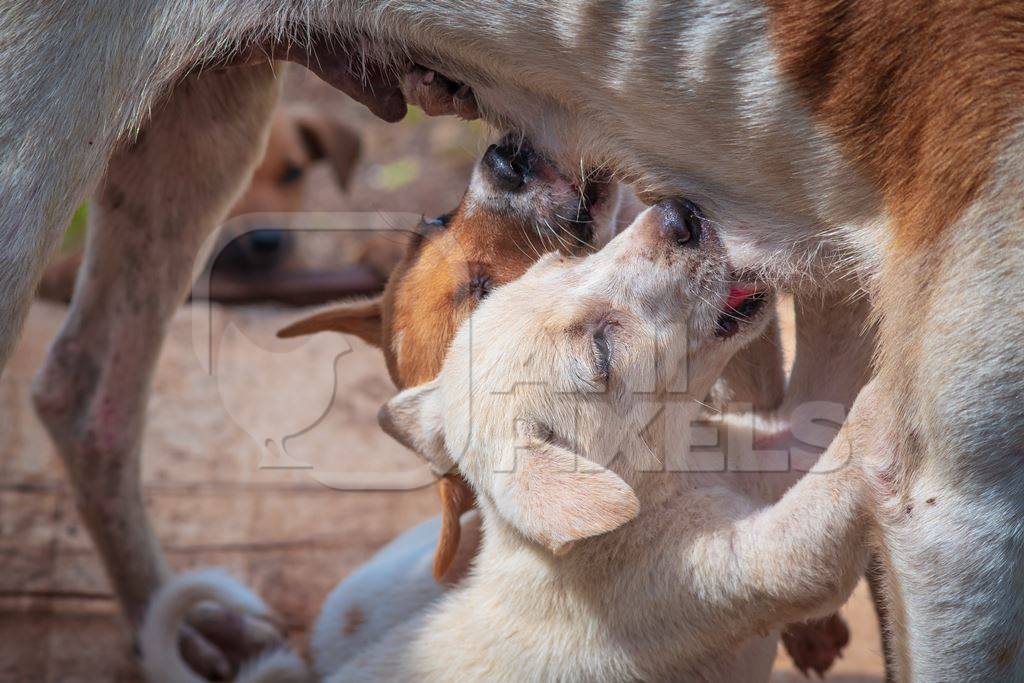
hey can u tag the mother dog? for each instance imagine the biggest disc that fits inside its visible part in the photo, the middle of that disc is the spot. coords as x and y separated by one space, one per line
875 144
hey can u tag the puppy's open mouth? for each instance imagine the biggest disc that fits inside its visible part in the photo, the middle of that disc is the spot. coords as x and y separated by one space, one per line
744 303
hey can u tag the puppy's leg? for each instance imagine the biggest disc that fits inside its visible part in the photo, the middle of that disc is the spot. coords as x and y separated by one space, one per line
801 557
162 195
834 343
755 379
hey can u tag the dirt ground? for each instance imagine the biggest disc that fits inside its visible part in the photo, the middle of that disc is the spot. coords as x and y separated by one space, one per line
251 462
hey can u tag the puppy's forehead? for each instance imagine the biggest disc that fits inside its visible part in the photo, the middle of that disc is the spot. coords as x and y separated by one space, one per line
533 314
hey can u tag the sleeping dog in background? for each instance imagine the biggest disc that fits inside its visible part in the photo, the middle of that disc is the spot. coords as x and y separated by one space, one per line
610 552
300 138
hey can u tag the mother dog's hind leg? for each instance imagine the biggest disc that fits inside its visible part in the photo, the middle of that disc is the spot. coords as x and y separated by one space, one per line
162 195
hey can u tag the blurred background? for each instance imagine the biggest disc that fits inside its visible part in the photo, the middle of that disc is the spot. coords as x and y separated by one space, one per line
287 530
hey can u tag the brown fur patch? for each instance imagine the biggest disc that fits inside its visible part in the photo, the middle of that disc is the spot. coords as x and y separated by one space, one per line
354 619
456 498
428 294
919 93
470 537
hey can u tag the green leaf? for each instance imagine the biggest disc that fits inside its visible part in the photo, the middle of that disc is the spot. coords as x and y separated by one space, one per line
74 236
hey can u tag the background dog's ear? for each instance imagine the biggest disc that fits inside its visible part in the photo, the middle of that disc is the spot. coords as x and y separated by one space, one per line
328 139
414 419
361 318
557 497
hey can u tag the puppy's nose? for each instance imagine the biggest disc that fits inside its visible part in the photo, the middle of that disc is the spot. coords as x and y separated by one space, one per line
507 165
680 221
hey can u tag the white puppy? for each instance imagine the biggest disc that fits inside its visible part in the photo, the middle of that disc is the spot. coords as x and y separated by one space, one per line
610 550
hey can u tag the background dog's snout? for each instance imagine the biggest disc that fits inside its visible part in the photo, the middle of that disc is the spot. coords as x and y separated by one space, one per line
507 165
263 248
267 240
680 221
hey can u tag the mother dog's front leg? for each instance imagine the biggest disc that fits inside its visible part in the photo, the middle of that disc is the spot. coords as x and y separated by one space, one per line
162 195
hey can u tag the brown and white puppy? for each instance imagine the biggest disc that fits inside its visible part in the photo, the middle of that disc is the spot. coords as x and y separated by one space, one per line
517 207
611 552
846 145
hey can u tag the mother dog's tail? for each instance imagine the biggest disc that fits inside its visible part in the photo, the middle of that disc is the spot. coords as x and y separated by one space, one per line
161 659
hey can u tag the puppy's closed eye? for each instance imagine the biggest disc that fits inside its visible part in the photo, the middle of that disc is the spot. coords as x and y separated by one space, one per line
480 286
477 286
603 343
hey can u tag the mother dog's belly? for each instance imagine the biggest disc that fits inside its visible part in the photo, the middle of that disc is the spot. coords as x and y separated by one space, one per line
793 123
685 99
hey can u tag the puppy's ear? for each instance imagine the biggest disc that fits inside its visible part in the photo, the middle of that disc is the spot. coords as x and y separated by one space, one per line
557 497
329 140
414 419
456 498
361 318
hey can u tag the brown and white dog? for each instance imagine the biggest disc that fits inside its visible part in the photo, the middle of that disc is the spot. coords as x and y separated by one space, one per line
848 145
611 553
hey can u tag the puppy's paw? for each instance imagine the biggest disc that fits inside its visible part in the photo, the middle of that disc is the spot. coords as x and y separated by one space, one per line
815 645
437 95
216 640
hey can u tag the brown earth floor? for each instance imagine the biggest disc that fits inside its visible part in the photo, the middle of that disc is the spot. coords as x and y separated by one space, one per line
288 534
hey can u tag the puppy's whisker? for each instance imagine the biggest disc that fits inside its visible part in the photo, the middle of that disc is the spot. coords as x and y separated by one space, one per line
529 241
554 231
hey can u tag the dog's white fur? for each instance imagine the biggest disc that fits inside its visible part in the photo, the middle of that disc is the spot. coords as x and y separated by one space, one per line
587 573
679 97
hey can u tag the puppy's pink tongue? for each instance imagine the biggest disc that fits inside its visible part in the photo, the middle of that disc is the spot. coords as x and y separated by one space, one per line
737 295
